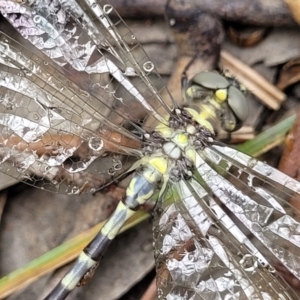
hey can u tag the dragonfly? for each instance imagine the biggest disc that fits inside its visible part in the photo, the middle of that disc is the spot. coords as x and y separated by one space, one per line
86 107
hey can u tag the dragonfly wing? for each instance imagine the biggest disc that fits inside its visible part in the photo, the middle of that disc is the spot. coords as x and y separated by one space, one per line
82 39
51 130
75 123
227 233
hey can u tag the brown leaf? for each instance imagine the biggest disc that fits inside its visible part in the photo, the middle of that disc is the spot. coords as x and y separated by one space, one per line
294 7
290 74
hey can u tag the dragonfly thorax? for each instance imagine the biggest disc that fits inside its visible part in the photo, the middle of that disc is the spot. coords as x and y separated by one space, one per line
176 140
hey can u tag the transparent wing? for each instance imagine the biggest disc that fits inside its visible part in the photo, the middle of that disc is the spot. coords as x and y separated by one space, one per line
76 123
232 232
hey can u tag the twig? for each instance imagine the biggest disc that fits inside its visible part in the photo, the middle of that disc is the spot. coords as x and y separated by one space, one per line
253 81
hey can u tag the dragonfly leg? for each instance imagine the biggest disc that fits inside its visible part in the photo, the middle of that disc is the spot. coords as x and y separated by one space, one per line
139 191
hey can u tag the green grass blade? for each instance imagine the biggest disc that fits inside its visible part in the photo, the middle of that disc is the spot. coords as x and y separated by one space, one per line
268 139
56 258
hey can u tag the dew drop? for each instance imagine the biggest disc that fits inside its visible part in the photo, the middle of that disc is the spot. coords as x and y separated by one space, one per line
172 22
252 162
95 143
148 66
111 172
117 165
129 71
75 190
107 9
272 269
35 117
84 93
37 19
249 263
21 169
250 180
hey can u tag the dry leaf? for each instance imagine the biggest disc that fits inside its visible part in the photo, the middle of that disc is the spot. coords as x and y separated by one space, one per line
290 74
294 7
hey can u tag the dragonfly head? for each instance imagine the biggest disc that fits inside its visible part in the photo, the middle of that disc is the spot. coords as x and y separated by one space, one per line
224 93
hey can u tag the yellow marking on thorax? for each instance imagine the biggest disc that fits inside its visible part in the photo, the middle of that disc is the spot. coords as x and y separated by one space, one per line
201 118
190 153
221 95
181 140
164 130
160 164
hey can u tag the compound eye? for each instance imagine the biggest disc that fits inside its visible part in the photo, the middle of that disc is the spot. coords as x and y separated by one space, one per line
211 80
238 103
